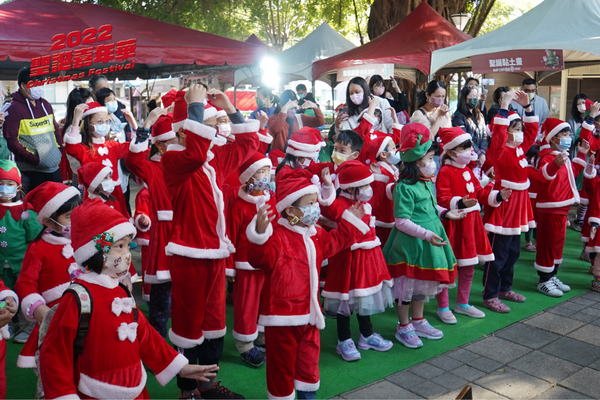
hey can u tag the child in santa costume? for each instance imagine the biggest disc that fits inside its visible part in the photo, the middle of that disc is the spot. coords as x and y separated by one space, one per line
457 188
119 340
6 314
417 252
382 151
254 177
302 148
532 161
45 273
90 144
358 281
18 228
143 225
370 121
557 192
97 181
149 168
593 214
194 172
291 255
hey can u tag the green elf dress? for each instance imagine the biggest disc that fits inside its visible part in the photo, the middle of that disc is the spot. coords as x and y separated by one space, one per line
419 269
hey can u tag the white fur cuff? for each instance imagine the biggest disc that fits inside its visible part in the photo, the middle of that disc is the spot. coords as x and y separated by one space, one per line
356 222
173 369
138 147
493 198
255 237
199 129
327 195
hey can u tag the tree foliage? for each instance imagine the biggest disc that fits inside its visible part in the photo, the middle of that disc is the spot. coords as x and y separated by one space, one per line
503 12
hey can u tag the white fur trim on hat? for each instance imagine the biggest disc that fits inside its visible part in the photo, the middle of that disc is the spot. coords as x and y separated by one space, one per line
384 145
292 197
512 117
252 169
163 136
56 202
300 153
359 183
177 125
209 112
86 251
456 141
221 113
99 178
556 129
306 147
94 111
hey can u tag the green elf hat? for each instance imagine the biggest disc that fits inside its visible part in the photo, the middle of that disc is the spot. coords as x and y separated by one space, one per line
416 142
9 170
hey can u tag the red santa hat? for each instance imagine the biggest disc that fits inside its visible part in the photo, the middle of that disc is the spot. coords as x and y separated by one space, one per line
163 129
512 115
179 111
168 98
416 142
296 184
93 108
221 113
47 198
252 165
276 157
551 127
375 148
91 174
452 137
95 228
10 171
353 173
305 143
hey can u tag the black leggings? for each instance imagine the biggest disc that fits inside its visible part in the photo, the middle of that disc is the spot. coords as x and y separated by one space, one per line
343 326
209 352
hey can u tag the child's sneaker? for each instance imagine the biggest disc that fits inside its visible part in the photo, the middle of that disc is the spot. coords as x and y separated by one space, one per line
24 334
561 286
496 305
347 350
408 337
577 225
585 256
530 247
190 395
447 317
375 342
596 286
549 288
219 392
512 296
254 357
13 330
469 312
260 347
424 329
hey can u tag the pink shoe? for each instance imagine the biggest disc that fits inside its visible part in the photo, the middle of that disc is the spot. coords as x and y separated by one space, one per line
530 247
512 296
496 305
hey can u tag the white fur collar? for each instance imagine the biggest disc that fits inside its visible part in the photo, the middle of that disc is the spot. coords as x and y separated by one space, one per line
175 147
95 196
99 279
263 198
97 140
347 195
455 164
389 168
301 230
52 239
156 158
16 203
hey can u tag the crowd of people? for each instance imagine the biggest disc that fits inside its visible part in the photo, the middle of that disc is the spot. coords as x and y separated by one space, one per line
292 224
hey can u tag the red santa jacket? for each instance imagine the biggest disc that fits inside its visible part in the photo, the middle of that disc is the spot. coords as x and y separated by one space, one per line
194 175
291 257
383 206
366 132
509 161
587 133
533 182
142 208
151 171
557 189
115 348
240 214
4 293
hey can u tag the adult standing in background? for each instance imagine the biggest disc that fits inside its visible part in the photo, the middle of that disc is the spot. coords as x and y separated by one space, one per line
98 82
32 134
578 109
398 103
539 104
432 109
470 119
266 102
472 81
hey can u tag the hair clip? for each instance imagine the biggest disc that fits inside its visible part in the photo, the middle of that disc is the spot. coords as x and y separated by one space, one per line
104 241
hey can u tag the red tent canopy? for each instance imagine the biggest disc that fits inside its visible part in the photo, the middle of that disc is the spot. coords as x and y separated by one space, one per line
253 39
27 28
409 43
245 100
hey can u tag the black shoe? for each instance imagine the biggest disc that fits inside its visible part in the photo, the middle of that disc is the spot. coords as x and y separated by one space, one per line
254 357
328 315
219 392
261 348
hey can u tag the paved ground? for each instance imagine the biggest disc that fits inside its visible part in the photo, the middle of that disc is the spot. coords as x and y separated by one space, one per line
552 355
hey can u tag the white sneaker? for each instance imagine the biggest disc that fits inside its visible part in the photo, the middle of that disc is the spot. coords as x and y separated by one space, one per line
549 288
561 286
470 312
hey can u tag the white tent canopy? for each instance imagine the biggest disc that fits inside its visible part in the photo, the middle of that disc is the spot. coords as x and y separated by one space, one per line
296 62
572 26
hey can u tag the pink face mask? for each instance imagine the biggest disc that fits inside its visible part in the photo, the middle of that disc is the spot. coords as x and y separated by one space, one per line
357 98
436 101
378 91
463 158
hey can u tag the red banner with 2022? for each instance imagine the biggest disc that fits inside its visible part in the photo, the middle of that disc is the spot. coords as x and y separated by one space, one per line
84 57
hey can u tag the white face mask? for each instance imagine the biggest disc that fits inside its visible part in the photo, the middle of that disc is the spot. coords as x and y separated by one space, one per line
357 98
581 108
304 164
111 106
108 186
530 96
365 194
36 92
101 130
429 169
116 266
517 137
224 129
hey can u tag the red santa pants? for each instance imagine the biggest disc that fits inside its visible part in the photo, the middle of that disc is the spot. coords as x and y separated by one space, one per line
292 359
551 233
197 300
2 369
248 286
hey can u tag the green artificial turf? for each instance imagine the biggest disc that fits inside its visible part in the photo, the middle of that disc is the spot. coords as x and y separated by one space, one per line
338 376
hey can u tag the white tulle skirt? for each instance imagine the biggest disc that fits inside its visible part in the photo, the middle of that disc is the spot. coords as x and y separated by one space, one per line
368 305
406 288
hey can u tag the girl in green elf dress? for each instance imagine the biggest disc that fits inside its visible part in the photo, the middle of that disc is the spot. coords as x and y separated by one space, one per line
417 253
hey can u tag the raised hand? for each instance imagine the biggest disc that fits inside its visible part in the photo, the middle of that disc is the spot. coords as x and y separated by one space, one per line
220 100
264 218
195 94
263 118
584 146
154 116
326 177
357 210
130 118
78 113
521 98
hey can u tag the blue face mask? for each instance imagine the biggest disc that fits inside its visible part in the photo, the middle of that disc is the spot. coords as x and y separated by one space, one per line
111 106
565 143
300 96
101 130
311 214
272 185
7 192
